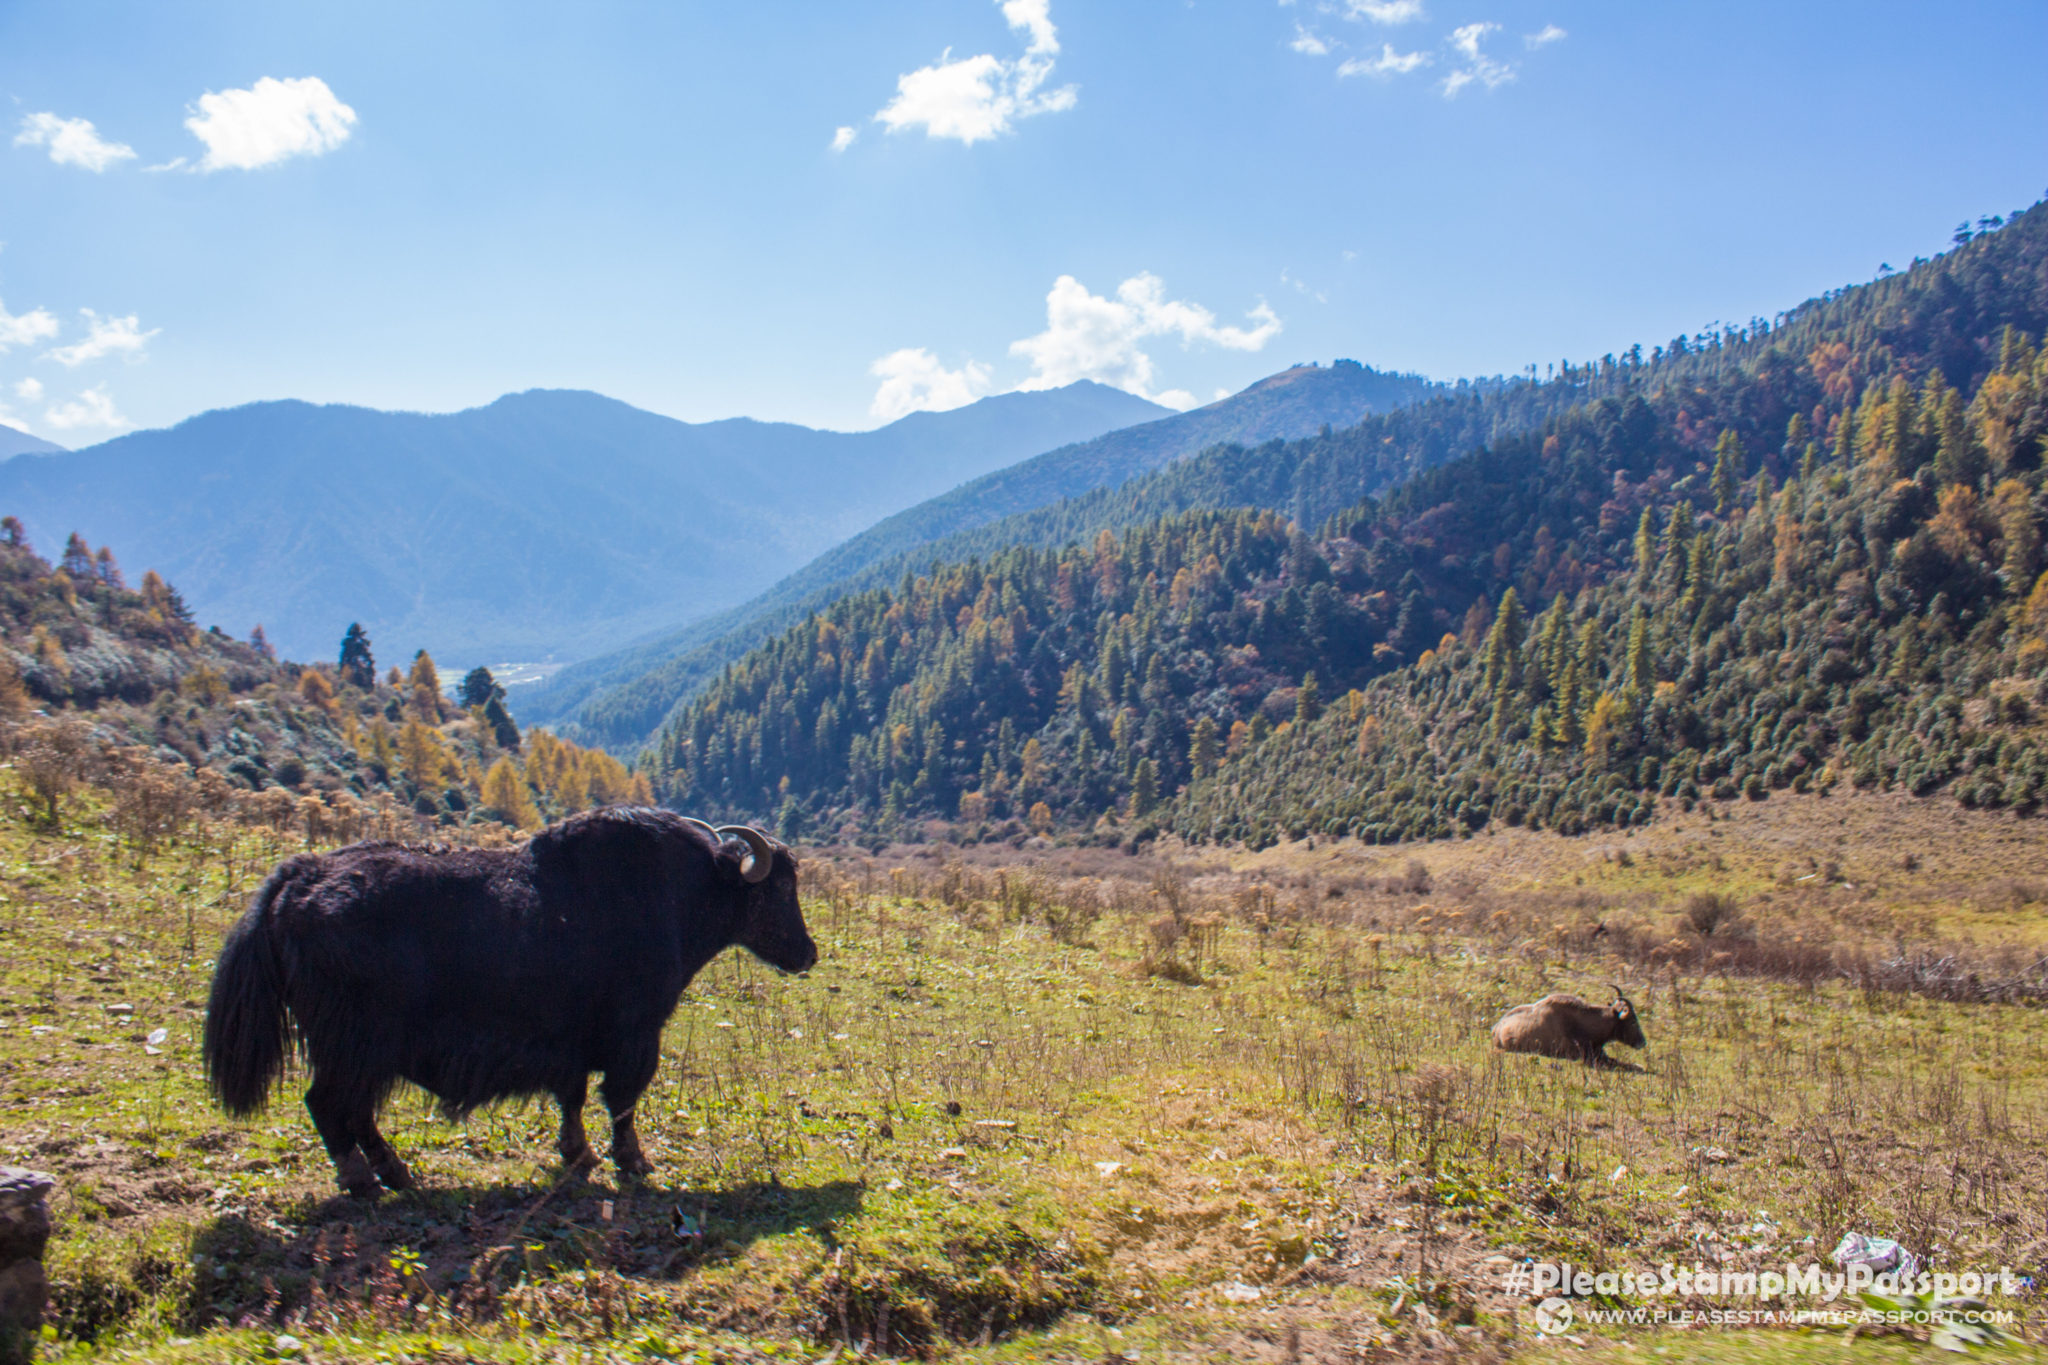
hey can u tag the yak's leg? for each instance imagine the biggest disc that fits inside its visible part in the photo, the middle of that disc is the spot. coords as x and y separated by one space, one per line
330 1113
390 1170
574 1145
622 1088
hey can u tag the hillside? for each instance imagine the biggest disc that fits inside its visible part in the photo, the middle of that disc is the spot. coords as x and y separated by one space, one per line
620 700
1788 555
545 524
103 683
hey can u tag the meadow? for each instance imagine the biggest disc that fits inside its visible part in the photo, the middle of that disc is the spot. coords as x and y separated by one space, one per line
1047 1103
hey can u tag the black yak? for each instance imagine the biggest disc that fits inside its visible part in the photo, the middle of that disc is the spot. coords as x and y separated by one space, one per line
1566 1026
480 975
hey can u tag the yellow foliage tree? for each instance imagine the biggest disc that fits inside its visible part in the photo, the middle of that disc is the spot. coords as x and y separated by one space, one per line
505 792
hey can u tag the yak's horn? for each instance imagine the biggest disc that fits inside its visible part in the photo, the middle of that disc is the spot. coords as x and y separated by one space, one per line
761 859
1617 992
704 825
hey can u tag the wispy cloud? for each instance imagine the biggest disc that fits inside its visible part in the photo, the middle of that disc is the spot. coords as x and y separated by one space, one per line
1383 11
913 380
105 337
1088 336
1548 34
843 137
71 142
1388 63
271 121
91 410
978 98
25 329
1479 67
29 390
1309 44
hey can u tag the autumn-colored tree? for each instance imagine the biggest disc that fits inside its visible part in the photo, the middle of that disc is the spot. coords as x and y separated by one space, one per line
505 793
315 689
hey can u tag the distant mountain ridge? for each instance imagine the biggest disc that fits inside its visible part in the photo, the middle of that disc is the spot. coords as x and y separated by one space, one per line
546 523
14 441
650 678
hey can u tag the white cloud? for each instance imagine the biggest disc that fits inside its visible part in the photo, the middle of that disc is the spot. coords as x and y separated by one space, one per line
1550 33
105 337
1479 67
1383 11
29 390
72 142
913 380
843 137
91 409
977 98
1091 337
25 329
1388 63
272 121
1309 44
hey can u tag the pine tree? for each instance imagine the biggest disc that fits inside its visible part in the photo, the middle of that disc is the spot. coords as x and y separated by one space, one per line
1504 644
1202 749
77 560
1730 464
1642 678
1308 703
261 643
1646 547
478 687
358 667
1144 789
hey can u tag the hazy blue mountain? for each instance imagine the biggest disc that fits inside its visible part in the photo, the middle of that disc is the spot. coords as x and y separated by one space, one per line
649 677
547 523
15 442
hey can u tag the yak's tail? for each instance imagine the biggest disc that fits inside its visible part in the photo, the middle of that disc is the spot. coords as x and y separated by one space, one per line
248 1033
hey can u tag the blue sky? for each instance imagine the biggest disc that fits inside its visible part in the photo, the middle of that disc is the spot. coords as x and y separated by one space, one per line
425 206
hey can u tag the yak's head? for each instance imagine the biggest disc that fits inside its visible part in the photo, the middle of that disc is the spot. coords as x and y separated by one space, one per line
771 922
1627 1027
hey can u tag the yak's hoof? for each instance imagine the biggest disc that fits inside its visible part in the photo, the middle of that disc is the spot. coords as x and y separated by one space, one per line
396 1177
580 1163
632 1165
355 1178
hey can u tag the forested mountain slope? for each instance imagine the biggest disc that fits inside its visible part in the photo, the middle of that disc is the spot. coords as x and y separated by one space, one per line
546 523
622 699
1794 554
107 683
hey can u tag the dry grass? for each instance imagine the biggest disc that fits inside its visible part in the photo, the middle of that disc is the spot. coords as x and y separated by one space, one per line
1056 1104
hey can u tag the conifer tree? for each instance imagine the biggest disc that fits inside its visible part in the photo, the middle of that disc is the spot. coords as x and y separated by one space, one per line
505 793
1646 546
1504 644
1202 749
1642 678
1308 703
358 667
77 559
1730 464
1144 789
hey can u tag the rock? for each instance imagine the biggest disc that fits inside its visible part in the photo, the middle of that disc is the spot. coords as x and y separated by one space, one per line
24 1232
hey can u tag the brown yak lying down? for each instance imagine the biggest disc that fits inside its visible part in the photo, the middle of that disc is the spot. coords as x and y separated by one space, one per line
1566 1026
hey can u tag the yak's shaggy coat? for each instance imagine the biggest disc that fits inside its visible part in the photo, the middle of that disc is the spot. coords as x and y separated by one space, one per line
481 975
1566 1026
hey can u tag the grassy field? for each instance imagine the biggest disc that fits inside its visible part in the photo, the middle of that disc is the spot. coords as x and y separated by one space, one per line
1056 1104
